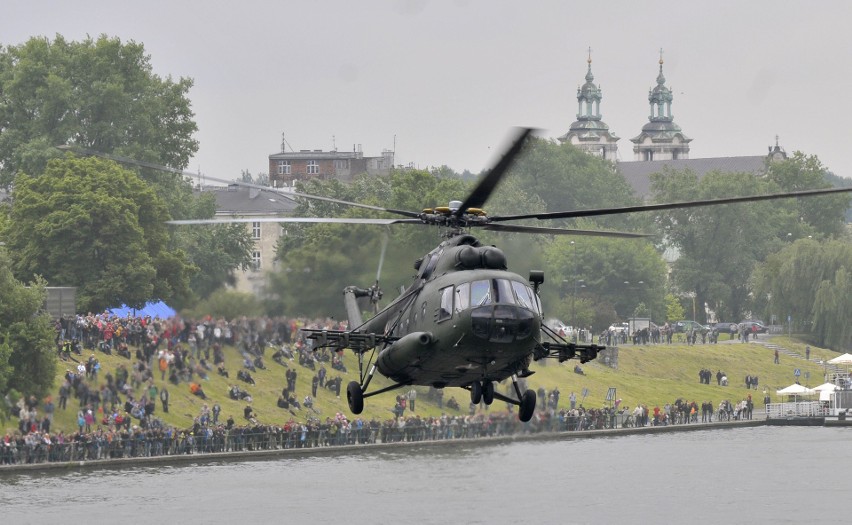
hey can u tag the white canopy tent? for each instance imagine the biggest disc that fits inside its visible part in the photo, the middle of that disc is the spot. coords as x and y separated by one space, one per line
825 391
845 359
796 390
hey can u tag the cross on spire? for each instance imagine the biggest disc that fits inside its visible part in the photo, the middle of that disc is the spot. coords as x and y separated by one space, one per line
590 55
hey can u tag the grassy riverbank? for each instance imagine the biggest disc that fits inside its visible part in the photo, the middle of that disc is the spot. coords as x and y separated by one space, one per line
652 375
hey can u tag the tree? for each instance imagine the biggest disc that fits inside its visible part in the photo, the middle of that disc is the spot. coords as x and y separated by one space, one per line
27 358
92 224
102 95
566 178
317 261
809 282
821 216
616 275
719 246
97 94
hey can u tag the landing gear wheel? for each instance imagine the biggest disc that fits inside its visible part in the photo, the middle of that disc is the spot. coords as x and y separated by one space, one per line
475 392
355 397
527 406
488 392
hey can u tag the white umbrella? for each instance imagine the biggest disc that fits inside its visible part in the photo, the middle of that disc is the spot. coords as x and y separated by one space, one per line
845 359
795 390
826 387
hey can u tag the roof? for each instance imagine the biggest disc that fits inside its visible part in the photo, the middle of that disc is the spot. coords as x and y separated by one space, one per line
241 200
638 173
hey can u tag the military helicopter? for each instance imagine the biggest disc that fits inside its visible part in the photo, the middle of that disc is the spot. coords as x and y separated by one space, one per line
465 320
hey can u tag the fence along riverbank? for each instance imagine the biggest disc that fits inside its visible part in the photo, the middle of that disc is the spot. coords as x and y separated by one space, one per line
269 443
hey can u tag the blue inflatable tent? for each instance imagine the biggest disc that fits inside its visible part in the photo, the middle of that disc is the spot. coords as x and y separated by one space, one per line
158 309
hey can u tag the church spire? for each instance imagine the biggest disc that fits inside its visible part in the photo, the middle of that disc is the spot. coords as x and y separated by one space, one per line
588 132
661 98
661 138
589 96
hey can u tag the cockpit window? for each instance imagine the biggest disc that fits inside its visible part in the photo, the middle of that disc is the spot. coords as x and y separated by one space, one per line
429 266
445 311
480 293
524 295
462 297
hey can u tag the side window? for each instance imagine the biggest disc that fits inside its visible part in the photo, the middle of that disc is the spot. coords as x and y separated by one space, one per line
462 297
480 293
445 311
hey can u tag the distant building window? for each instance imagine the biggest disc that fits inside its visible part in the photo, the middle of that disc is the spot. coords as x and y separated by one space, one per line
255 261
283 167
255 230
341 164
313 167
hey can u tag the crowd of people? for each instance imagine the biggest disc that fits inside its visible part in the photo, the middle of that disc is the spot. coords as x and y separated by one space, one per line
117 409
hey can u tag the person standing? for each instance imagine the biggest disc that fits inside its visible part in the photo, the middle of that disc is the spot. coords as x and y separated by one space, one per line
164 399
216 410
412 396
572 399
776 355
314 385
808 352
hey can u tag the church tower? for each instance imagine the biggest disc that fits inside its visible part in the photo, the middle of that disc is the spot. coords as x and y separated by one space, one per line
661 138
589 132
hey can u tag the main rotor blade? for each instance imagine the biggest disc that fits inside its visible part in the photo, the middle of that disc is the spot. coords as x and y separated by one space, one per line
489 182
291 194
286 194
382 256
309 220
668 206
518 228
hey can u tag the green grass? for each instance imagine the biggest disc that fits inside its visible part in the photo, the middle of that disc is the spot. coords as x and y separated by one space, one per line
652 375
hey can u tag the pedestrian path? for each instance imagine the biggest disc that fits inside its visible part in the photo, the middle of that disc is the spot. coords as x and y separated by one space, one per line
830 368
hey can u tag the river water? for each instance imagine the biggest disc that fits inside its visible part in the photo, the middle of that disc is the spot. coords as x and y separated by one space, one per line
739 475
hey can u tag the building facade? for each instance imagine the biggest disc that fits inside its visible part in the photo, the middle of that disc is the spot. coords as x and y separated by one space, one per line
286 167
235 201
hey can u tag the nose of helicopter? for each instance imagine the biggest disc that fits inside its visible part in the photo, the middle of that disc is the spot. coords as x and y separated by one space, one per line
503 323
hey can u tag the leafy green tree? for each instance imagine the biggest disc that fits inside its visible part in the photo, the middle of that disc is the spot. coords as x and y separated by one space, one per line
317 261
674 310
27 358
229 304
719 246
817 216
566 178
613 275
99 94
91 224
809 282
215 250
102 95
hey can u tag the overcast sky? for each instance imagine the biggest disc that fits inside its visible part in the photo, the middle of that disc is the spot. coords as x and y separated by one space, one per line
445 81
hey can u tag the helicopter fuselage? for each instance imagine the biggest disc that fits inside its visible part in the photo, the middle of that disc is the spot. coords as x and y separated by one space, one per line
465 319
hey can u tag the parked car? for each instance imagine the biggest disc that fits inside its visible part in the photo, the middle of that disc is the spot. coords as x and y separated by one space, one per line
687 326
726 328
559 327
748 326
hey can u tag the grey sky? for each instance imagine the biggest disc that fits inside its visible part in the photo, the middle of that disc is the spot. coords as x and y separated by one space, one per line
448 79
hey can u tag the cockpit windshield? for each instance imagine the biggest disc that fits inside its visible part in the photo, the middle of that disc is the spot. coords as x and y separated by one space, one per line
498 291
